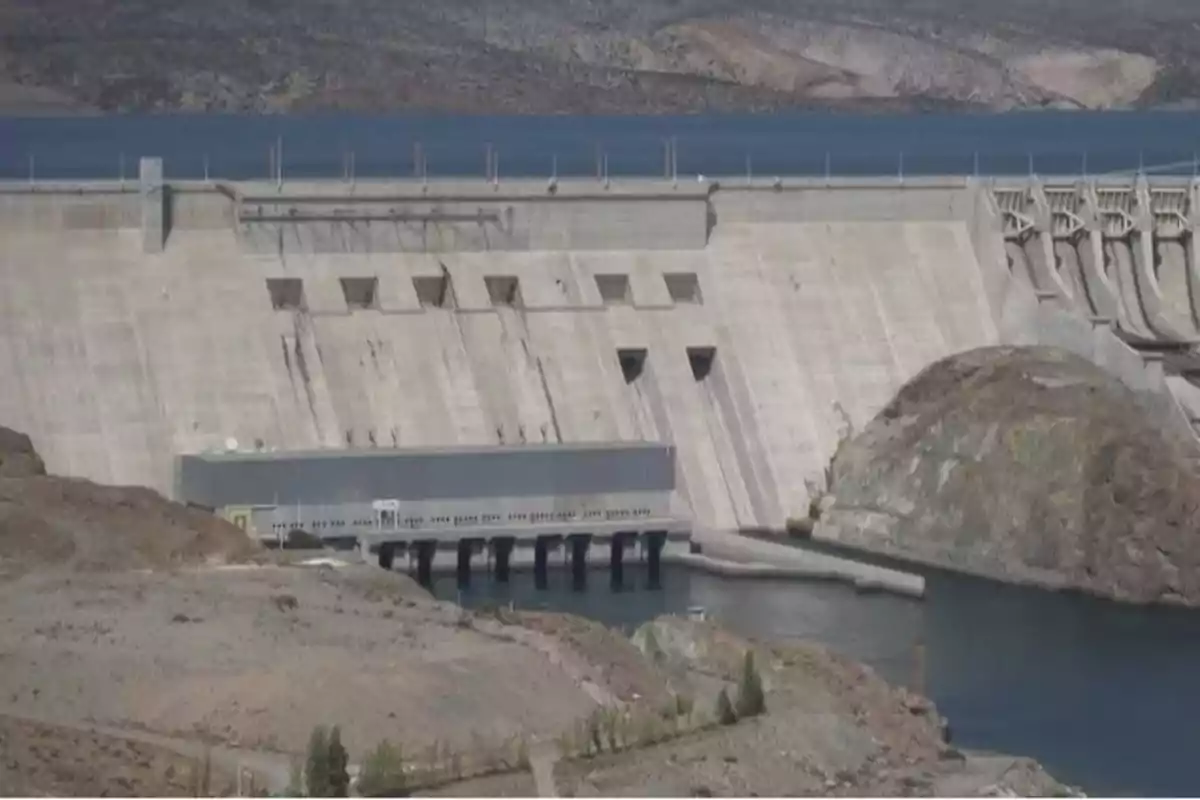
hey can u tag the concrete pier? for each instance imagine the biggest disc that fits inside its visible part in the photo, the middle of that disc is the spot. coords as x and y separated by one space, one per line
502 550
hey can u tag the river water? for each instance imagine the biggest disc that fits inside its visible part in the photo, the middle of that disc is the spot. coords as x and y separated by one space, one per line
1103 695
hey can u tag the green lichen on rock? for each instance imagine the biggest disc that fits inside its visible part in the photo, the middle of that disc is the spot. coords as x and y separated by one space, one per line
1027 464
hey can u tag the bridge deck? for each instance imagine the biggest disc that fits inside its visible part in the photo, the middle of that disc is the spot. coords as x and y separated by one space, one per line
677 530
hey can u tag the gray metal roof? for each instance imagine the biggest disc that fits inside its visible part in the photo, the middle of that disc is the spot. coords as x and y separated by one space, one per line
335 477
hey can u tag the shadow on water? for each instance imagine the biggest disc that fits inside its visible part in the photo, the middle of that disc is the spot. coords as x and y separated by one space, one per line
1102 694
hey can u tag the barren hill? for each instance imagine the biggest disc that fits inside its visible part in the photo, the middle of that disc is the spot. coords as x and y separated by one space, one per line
578 56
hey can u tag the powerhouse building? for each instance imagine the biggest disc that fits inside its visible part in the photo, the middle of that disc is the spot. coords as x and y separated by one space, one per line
436 493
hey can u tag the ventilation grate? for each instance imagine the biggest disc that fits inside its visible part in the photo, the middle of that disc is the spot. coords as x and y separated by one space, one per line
361 293
701 360
633 363
683 287
503 290
614 289
287 294
434 291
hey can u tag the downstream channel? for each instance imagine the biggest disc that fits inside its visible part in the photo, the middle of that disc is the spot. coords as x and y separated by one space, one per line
1102 694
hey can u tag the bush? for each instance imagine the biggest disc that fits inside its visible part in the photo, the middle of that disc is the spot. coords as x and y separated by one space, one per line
751 701
383 772
724 711
316 768
339 776
325 772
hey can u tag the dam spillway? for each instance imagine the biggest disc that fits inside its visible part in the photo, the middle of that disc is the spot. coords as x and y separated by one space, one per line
750 323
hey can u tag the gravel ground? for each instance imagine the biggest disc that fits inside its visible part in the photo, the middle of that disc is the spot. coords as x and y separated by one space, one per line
256 656
38 759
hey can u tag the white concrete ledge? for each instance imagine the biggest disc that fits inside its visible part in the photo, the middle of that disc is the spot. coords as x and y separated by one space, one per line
735 556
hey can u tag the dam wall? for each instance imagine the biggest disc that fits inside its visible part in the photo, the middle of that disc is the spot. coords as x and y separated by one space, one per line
751 323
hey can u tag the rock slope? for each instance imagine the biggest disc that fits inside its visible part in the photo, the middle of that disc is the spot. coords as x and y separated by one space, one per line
48 521
1027 465
593 55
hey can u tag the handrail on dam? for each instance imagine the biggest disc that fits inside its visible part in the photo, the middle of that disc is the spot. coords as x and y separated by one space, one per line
311 191
610 149
316 191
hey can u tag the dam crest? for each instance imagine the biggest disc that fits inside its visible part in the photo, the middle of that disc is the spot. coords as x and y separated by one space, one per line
748 322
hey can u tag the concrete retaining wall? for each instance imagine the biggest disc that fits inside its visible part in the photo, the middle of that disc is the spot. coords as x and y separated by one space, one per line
749 325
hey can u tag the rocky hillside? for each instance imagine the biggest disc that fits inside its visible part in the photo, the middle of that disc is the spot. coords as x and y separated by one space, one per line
545 56
53 522
1024 464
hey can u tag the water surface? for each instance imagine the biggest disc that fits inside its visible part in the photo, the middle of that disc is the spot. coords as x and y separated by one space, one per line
813 144
1103 695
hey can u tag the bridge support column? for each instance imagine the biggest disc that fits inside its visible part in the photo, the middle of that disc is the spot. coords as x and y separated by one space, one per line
541 557
502 551
387 555
580 542
466 548
616 558
655 541
425 552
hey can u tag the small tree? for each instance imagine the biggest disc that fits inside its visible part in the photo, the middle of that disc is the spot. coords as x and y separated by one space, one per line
751 702
724 711
383 772
317 767
339 775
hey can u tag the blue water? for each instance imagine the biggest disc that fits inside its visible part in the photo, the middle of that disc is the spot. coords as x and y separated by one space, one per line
1103 695
238 147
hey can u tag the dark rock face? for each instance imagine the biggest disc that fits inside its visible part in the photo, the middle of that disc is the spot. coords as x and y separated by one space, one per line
1029 465
18 459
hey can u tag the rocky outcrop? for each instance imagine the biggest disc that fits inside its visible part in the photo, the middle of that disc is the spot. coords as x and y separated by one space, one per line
832 728
1027 465
51 521
18 459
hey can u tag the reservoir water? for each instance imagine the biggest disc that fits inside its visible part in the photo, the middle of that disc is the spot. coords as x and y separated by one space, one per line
334 146
1103 695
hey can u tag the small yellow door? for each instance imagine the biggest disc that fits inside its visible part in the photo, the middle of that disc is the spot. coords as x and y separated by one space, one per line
239 517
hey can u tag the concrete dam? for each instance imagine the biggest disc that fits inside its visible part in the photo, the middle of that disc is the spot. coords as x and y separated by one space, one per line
747 322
